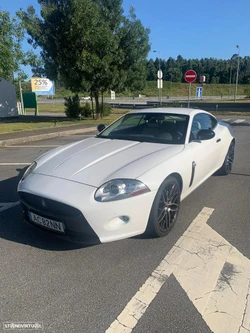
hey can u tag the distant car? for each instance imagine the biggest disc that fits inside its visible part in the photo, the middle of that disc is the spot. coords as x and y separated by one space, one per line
128 179
85 98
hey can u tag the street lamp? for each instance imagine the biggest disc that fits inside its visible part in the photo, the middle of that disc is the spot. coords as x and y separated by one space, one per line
159 79
237 74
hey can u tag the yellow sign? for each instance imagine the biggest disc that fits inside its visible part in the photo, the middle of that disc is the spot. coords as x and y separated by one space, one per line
42 86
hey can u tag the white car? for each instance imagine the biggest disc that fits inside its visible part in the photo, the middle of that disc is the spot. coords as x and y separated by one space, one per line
128 179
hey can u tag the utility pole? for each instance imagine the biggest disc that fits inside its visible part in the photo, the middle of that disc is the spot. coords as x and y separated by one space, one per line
237 74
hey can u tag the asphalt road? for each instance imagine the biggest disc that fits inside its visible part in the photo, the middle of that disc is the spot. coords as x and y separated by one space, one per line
74 288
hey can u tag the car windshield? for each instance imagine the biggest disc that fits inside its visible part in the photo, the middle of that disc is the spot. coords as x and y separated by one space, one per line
149 127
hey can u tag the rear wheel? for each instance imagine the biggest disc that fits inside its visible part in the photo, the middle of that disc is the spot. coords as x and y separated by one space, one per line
165 208
228 162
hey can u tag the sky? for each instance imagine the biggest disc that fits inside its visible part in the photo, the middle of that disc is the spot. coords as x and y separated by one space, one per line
190 28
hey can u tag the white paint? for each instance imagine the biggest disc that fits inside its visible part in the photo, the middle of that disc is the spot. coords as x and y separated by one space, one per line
12 164
213 273
238 121
216 278
139 303
7 205
225 119
44 146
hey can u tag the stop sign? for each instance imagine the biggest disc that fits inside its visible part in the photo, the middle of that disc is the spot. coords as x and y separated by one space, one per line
190 76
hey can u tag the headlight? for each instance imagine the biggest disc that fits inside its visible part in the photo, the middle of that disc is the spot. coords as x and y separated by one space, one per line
118 189
30 169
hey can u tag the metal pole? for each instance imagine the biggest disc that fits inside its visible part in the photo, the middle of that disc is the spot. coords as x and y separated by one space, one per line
21 96
159 88
237 74
189 92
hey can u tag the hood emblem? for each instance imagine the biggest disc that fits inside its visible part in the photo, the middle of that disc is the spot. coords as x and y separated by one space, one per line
44 203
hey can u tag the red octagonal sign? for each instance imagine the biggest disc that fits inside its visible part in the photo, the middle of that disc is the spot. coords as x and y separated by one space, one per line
190 76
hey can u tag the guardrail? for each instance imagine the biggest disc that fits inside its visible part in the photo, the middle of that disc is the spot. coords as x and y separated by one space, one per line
211 107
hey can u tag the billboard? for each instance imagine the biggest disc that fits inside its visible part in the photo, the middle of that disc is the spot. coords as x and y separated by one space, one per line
42 86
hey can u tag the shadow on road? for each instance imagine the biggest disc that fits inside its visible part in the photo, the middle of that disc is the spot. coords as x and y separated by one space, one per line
14 229
240 174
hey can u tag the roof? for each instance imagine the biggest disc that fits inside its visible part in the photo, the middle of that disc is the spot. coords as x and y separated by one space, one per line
182 111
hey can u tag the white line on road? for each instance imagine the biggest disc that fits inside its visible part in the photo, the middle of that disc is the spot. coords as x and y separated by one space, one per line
139 303
212 272
47 146
216 278
7 205
225 119
12 164
238 121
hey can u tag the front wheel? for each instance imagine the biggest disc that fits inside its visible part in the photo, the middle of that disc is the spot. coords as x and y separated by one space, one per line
165 208
228 162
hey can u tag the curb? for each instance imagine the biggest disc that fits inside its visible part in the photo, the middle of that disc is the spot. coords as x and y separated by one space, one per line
38 137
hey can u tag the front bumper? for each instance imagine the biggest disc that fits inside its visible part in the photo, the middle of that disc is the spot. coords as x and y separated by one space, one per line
85 219
76 227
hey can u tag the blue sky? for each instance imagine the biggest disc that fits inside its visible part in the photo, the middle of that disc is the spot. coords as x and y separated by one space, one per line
191 28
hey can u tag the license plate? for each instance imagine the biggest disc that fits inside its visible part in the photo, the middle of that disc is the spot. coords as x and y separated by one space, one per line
47 223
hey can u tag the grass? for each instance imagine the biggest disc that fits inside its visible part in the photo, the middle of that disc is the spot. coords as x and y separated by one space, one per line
170 89
21 125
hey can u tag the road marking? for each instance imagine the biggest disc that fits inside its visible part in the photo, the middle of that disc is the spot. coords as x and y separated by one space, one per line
212 272
225 119
139 303
47 146
216 278
238 121
7 205
12 164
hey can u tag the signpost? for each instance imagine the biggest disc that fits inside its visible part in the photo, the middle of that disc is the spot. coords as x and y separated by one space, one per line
42 86
199 91
160 83
190 76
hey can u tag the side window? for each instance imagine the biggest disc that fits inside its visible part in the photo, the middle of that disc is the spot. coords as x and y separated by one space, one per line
201 121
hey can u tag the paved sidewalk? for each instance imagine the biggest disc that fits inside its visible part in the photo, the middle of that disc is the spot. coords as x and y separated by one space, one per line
28 136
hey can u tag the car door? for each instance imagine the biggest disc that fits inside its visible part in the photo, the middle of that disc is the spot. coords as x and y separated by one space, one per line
204 152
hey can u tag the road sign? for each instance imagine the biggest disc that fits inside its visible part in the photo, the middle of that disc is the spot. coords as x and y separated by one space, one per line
190 76
159 74
112 93
199 92
42 86
159 84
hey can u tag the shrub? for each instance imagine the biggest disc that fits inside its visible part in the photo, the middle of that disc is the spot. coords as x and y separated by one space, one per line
72 106
105 109
86 110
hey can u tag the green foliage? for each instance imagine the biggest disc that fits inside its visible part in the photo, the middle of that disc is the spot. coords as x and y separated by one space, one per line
216 70
106 109
247 91
86 110
89 44
72 106
12 56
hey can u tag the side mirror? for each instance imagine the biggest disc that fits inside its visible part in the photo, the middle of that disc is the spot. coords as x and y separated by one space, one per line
100 127
205 134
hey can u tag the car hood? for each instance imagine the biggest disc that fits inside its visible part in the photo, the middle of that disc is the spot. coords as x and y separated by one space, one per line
94 161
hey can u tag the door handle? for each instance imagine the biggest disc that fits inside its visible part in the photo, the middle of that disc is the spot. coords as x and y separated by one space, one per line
218 140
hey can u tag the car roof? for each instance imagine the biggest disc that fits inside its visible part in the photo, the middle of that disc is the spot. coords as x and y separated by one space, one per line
180 111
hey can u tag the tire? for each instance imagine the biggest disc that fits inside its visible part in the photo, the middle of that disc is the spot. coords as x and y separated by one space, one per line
165 208
228 162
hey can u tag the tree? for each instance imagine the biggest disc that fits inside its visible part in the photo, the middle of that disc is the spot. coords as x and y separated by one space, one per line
12 56
89 44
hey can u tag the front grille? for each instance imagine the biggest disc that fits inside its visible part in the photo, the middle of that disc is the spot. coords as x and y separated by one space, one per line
48 206
76 225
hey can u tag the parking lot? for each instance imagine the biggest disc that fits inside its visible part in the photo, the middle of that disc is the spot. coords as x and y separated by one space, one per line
69 287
